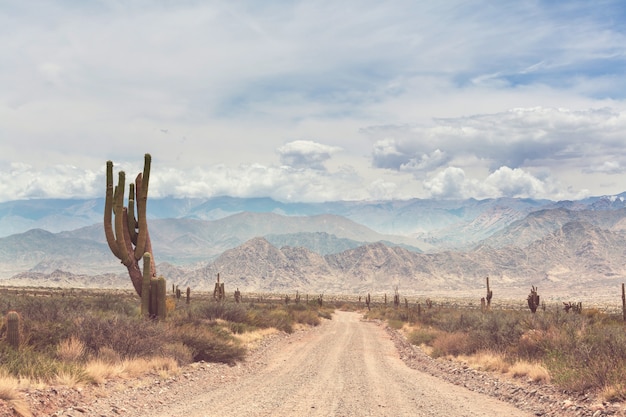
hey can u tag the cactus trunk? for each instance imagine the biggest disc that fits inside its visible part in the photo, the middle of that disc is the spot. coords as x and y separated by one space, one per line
13 329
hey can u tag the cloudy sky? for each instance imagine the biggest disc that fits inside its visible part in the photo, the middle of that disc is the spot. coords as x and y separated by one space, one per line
315 100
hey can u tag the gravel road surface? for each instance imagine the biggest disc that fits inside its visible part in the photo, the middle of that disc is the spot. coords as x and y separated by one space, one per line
345 367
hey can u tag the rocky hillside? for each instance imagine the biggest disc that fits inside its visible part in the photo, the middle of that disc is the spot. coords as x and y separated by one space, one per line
577 249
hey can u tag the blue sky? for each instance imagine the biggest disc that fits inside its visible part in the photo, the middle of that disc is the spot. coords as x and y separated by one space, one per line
315 100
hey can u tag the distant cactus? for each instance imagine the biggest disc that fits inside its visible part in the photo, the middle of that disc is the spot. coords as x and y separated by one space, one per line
396 298
188 295
368 300
489 295
623 302
237 296
297 299
575 307
533 299
13 329
218 292
320 299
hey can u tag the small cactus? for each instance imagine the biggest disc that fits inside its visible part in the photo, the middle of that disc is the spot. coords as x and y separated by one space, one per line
161 297
13 329
188 295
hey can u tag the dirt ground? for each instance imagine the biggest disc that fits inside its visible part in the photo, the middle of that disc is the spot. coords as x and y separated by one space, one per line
344 367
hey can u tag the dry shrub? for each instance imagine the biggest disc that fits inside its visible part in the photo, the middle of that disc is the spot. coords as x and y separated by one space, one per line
207 346
134 368
182 354
308 317
130 337
423 336
108 355
71 350
276 318
452 344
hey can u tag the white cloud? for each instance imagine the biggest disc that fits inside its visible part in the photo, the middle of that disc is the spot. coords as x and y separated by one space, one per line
306 154
520 137
452 183
607 167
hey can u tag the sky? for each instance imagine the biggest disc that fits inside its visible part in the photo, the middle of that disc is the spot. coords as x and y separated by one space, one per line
312 101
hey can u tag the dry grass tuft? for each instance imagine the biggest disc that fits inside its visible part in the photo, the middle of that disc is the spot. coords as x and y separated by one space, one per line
486 361
9 392
134 368
108 355
251 339
70 379
613 393
71 350
533 371
99 371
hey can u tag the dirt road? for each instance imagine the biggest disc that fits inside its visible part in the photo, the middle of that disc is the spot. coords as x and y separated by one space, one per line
347 367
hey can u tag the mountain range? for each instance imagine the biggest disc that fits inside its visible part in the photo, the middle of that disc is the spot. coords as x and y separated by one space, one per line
345 247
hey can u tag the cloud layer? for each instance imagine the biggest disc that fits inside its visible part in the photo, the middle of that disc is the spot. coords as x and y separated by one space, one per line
315 100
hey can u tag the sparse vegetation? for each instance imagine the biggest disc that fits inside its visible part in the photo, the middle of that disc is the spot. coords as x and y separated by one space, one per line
577 352
91 336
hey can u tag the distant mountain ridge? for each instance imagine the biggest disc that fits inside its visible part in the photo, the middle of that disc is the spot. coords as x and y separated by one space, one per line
514 241
423 219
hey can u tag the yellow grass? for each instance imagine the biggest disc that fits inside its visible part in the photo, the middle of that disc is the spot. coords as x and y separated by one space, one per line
532 371
9 392
486 361
251 339
70 379
99 371
614 393
71 350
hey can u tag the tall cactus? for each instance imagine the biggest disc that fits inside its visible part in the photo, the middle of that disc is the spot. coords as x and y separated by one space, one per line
533 299
13 329
489 294
128 236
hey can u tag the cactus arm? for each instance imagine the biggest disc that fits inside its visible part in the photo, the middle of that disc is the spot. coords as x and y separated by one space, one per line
141 185
132 222
149 250
118 208
108 211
